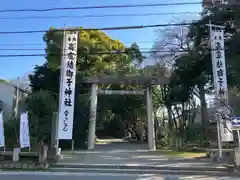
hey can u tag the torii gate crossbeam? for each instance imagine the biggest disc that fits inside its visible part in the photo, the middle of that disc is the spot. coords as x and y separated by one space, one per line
94 96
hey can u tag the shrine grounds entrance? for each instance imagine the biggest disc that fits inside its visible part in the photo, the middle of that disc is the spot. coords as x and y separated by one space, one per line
64 124
147 92
93 112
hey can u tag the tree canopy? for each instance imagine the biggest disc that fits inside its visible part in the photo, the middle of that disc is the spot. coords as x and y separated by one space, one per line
192 68
97 54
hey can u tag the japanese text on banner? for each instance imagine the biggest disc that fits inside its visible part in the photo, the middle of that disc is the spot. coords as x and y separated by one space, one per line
218 60
68 86
24 131
2 137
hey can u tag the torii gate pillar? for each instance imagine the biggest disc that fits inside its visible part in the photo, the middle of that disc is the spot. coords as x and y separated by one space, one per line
150 120
93 113
93 116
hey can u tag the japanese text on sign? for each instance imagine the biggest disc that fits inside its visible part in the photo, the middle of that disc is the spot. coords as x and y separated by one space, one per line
68 85
218 60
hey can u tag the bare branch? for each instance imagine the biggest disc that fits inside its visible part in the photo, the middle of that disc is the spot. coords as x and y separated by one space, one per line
171 42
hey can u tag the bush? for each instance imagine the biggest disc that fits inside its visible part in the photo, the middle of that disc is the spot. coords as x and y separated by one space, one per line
11 132
195 133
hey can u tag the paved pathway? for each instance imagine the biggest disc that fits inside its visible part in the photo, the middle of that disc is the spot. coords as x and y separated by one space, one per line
101 176
130 154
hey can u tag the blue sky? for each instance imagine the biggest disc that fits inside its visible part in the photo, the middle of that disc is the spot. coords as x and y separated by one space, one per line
12 67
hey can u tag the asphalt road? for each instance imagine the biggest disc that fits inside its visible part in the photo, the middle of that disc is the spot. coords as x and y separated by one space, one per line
98 176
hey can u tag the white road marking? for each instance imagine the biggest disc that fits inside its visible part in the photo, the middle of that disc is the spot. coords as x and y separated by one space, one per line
38 173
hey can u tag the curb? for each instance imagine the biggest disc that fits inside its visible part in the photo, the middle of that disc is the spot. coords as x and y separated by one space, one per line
138 171
137 167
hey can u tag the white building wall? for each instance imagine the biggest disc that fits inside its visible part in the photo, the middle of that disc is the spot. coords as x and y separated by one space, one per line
7 93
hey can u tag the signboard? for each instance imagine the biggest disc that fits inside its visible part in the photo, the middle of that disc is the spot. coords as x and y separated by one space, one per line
218 63
236 122
226 131
2 138
67 87
220 79
120 92
24 131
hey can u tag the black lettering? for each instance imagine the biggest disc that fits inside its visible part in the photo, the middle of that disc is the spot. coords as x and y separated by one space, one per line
220 73
221 91
69 73
71 56
218 54
65 128
68 91
69 81
66 113
69 38
219 64
68 102
74 38
218 46
220 81
70 64
71 46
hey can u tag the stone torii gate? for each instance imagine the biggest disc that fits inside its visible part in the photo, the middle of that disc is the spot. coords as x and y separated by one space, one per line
136 80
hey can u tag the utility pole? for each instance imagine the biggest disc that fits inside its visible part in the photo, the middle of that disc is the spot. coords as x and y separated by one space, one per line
56 124
216 104
17 97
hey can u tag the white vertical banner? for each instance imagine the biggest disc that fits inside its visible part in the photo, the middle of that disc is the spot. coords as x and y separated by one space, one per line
67 89
226 131
24 131
218 63
2 137
220 78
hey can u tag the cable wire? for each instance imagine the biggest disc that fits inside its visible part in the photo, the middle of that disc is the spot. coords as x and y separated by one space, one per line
100 7
100 29
40 49
98 16
42 44
114 52
109 28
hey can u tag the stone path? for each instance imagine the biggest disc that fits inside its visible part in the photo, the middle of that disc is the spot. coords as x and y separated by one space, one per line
125 153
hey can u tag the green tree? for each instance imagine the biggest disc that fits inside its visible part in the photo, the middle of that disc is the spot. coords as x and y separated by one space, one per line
40 105
98 54
195 69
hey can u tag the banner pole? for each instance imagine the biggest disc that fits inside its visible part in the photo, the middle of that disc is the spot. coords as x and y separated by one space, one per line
60 88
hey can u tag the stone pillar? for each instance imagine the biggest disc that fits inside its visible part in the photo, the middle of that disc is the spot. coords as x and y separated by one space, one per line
16 152
43 153
93 115
150 121
54 138
54 150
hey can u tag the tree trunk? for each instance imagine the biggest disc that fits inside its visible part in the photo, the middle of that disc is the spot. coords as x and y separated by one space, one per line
170 119
204 119
156 125
174 119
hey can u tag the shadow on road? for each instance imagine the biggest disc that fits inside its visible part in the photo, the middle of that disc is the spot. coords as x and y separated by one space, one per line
126 153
